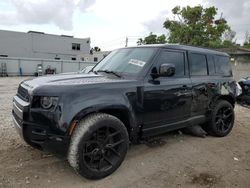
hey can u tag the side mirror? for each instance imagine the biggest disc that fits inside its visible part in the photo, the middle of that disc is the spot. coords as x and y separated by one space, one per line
166 70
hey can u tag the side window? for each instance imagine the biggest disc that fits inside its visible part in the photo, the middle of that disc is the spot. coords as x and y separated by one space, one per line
211 66
175 58
222 65
198 64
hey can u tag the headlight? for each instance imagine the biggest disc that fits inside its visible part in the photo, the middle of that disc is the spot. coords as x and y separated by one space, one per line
48 102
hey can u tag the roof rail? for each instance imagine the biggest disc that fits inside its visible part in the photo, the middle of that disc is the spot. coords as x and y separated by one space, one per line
70 36
38 32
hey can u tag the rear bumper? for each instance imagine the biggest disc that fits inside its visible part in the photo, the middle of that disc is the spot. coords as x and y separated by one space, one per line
38 136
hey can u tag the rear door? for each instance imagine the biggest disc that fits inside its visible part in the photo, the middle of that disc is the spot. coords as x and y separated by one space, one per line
200 81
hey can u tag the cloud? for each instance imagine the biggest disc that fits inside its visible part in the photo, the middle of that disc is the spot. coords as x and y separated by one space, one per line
128 11
237 13
57 12
43 12
84 5
8 18
114 18
156 25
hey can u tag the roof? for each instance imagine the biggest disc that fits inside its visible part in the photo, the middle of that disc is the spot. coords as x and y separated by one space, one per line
42 33
187 48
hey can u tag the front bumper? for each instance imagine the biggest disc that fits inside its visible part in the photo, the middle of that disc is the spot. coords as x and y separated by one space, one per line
17 126
36 135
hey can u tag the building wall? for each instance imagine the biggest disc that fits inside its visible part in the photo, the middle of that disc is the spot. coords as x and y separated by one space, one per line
37 45
95 57
28 66
241 67
15 44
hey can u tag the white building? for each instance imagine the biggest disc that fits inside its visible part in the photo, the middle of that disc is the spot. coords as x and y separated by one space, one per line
94 57
40 45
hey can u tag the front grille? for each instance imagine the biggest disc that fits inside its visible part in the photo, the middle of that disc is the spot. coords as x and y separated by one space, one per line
23 93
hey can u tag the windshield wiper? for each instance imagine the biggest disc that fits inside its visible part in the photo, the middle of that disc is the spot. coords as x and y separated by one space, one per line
110 72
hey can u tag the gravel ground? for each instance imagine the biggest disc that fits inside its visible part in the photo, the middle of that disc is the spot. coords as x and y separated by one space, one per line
176 160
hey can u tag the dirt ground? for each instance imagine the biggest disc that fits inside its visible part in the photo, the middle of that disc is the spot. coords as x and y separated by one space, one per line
177 161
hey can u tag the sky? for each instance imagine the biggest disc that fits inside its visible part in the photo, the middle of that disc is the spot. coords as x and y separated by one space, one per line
109 22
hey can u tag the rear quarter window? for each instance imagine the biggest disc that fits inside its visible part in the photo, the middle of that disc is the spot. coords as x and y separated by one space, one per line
222 65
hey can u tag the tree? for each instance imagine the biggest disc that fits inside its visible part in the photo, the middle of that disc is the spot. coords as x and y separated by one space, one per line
95 49
228 38
152 39
196 26
229 35
247 40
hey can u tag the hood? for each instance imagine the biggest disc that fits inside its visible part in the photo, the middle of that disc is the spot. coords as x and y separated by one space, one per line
69 79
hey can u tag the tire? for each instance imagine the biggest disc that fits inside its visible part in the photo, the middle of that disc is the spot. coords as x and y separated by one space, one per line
98 146
222 119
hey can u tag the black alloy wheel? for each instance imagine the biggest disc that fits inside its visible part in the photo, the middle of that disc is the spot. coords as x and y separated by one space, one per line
98 145
222 119
103 149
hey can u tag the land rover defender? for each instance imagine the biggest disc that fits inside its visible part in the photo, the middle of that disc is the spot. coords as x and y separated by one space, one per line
132 94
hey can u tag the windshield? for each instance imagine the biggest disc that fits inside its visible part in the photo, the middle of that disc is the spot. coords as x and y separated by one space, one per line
127 60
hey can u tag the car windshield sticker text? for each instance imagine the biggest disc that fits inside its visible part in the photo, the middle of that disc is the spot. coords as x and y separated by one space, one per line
137 62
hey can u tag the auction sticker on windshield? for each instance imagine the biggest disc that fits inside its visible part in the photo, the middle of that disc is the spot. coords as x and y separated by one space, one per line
137 62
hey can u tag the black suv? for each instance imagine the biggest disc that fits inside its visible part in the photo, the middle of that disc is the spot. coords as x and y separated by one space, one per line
131 94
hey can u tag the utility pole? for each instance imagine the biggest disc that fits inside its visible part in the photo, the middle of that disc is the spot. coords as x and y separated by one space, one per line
126 42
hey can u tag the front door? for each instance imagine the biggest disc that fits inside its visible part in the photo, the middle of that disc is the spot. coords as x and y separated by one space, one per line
167 100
